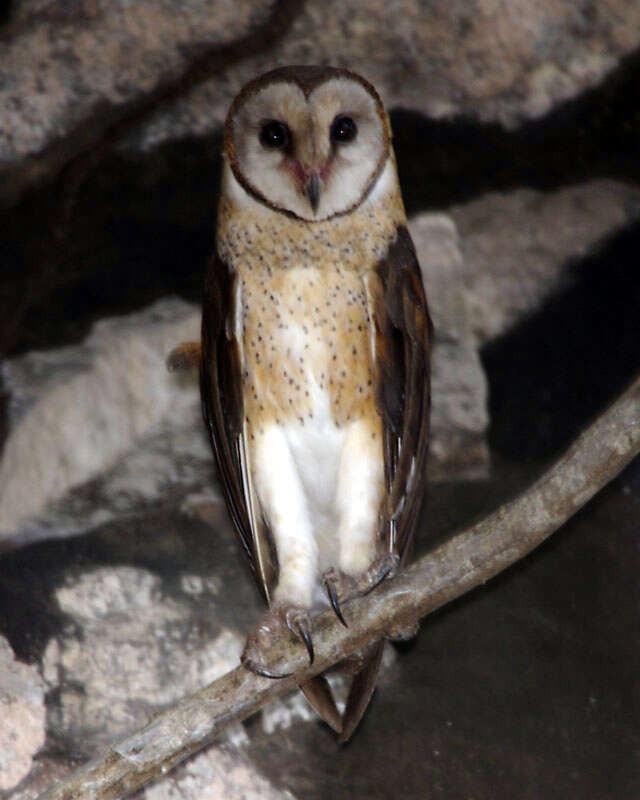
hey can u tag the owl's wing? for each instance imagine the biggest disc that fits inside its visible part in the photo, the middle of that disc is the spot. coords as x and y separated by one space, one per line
222 407
402 340
401 336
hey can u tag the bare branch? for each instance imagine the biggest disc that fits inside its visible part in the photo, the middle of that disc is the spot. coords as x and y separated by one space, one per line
469 559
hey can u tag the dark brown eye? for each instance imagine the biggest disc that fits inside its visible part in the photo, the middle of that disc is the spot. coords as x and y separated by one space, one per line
343 129
275 135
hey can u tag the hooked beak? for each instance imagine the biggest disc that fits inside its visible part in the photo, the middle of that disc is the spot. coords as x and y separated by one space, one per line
312 189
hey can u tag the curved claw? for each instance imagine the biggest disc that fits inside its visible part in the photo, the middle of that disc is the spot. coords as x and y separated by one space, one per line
333 599
387 567
247 663
300 625
306 638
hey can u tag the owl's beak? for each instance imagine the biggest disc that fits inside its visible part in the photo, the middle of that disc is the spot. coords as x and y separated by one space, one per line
313 187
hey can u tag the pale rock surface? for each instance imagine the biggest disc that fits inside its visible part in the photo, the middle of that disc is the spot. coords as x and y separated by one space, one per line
44 773
489 60
520 247
459 417
216 774
22 716
129 653
76 411
69 71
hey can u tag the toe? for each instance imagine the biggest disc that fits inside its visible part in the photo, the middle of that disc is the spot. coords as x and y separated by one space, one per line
385 566
253 657
259 642
253 666
271 627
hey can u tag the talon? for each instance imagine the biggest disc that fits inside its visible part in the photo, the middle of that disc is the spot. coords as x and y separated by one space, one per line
247 663
306 638
333 599
299 624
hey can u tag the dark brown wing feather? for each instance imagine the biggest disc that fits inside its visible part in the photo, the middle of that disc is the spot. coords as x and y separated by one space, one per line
402 387
402 392
222 407
360 691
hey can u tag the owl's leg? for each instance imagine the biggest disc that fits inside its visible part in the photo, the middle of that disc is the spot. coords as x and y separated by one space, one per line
283 502
359 493
360 488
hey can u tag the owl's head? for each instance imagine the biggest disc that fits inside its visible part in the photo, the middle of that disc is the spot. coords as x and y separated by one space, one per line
307 141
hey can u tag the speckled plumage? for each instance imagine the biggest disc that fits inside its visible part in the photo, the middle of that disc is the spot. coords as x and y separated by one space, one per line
314 369
305 308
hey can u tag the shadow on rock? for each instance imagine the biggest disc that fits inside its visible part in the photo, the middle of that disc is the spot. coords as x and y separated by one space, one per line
551 374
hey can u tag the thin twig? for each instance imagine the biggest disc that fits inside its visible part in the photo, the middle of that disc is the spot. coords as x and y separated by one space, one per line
468 560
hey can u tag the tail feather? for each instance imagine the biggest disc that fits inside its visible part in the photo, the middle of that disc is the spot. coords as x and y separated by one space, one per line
362 686
319 694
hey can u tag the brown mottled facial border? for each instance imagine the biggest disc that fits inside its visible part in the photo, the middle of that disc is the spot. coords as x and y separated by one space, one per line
307 78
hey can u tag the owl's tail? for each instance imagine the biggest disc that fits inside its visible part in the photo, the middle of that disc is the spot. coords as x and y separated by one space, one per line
320 695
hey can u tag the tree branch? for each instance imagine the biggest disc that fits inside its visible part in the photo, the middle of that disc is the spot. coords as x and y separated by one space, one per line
467 560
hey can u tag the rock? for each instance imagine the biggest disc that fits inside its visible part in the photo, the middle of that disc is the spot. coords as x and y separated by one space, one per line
491 61
22 716
129 652
216 774
70 72
459 419
75 411
130 643
520 247
45 772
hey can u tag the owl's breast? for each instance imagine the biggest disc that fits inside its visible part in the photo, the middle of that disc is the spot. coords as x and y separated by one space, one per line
306 341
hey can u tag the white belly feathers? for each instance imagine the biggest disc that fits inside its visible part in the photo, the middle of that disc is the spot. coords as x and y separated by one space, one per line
313 434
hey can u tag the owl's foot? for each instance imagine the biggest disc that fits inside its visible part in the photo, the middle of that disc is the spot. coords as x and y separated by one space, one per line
342 587
271 627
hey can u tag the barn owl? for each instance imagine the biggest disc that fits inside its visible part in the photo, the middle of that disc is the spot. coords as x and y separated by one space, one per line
314 361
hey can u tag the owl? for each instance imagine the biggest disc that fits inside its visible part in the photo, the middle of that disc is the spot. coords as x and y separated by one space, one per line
314 361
